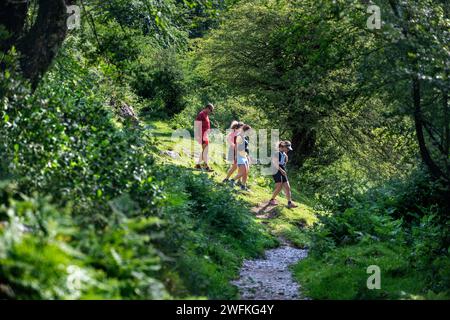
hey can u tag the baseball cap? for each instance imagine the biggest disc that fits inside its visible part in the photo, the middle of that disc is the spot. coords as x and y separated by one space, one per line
288 145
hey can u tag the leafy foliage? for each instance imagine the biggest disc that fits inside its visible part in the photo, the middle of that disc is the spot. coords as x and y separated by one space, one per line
211 232
387 216
87 212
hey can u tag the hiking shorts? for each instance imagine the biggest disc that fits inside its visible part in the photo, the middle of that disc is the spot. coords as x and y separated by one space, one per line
242 161
279 178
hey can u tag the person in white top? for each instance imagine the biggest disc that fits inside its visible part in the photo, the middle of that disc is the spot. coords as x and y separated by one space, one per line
232 154
242 157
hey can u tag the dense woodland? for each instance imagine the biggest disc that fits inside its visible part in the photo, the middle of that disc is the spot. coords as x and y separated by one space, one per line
88 211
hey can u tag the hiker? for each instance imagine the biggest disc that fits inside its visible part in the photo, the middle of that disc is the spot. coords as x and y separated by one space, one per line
242 158
281 179
247 143
245 130
231 138
202 121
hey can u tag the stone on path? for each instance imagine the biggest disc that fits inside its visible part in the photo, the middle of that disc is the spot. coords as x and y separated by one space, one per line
270 278
171 154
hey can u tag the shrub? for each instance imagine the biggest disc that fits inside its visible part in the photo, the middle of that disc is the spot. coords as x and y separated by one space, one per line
46 253
158 76
341 273
64 141
208 231
409 214
100 223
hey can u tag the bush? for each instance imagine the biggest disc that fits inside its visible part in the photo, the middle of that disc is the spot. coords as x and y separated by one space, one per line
342 273
64 141
100 223
366 222
158 76
46 253
208 231
431 250
406 215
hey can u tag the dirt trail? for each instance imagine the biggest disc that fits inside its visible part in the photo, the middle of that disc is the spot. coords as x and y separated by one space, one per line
270 278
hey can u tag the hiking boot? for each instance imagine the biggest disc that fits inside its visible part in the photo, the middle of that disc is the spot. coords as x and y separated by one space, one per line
198 167
208 169
232 183
239 183
292 205
273 202
226 181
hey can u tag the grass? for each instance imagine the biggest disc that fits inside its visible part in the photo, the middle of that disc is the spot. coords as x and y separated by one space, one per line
339 274
342 274
217 258
207 224
287 223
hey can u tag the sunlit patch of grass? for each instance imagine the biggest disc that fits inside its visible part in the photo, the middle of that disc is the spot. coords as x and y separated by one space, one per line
288 223
342 274
290 232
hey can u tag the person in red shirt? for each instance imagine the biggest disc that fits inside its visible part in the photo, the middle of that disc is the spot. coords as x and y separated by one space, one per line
203 126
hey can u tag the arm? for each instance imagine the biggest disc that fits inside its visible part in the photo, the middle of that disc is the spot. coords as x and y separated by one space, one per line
281 170
276 165
231 139
198 131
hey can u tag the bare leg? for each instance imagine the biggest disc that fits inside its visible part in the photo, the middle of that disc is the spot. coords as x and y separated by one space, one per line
231 171
247 172
205 153
278 187
245 176
241 172
287 191
200 158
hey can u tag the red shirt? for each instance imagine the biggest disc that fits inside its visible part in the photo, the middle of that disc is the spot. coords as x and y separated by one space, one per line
206 124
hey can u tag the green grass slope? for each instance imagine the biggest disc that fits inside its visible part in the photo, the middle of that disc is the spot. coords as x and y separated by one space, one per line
219 226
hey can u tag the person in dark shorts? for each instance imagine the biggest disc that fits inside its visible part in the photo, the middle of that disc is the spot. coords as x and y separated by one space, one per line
281 178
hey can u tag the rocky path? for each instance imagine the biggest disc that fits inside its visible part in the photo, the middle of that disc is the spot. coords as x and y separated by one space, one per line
270 278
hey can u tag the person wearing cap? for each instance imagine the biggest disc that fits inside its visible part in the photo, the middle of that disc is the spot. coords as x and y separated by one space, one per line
281 179
203 125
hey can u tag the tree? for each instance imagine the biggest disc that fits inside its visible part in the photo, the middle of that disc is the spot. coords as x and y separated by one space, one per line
309 63
420 63
292 58
39 44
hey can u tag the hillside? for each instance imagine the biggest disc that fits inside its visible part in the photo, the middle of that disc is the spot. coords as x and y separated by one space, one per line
98 202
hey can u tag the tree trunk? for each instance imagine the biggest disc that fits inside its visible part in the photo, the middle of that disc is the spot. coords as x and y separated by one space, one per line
303 143
434 169
41 44
12 17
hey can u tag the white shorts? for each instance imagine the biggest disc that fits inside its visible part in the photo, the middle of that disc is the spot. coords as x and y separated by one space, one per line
242 161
